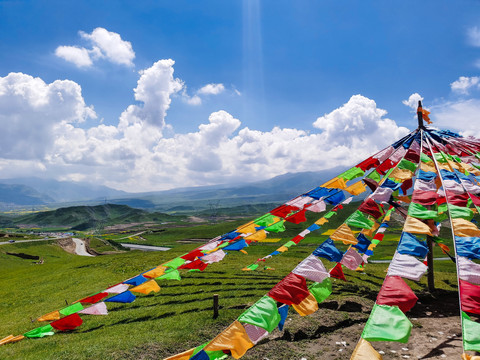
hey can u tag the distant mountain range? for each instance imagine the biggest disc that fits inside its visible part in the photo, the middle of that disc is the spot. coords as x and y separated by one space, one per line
52 193
87 217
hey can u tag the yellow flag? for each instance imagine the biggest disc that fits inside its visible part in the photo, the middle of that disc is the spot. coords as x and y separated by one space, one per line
257 236
233 338
321 221
401 174
154 273
282 249
335 183
415 226
147 287
428 167
357 188
345 234
11 339
462 228
183 356
308 306
365 351
248 228
54 315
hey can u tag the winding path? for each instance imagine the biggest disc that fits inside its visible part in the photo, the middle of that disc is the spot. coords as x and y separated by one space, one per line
80 248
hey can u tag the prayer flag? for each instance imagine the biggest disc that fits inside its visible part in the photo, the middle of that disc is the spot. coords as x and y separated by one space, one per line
411 245
387 323
406 266
469 297
97 309
257 236
255 334
182 356
308 306
292 289
147 287
335 183
40 332
71 309
117 289
369 206
344 234
468 247
357 188
214 257
322 290
365 351
358 219
263 313
11 339
396 292
277 227
170 275
468 270
54 315
351 259
337 272
125 297
362 244
312 269
283 311
415 226
155 272
462 227
297 218
94 298
175 263
233 338
471 333
69 322
137 280
328 251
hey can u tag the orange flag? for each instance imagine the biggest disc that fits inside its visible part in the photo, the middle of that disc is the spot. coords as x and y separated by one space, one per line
308 305
425 114
11 339
257 236
345 234
233 338
54 315
415 226
154 273
365 351
147 287
357 188
335 183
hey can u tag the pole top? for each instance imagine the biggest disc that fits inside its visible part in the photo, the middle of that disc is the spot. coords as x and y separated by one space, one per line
420 115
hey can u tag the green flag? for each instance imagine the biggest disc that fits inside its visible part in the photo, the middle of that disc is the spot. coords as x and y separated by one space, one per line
374 175
460 212
330 214
264 314
40 332
471 333
289 243
421 212
277 227
71 309
407 165
321 290
387 323
359 219
175 263
170 275
424 158
352 173
265 220
252 267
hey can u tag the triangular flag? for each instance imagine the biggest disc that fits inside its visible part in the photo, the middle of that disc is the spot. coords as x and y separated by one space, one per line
387 323
344 234
233 338
365 351
337 272
147 287
69 322
97 309
308 306
54 315
396 292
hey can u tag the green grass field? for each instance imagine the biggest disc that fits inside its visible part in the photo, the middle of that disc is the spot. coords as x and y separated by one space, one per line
176 318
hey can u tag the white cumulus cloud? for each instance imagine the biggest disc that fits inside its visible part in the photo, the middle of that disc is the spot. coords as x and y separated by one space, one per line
154 90
211 89
464 84
104 44
412 101
79 56
43 134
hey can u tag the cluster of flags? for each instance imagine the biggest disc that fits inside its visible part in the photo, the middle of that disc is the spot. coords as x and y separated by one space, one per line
427 177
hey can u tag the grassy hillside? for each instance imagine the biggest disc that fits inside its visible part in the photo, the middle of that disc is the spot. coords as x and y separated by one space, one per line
87 217
176 318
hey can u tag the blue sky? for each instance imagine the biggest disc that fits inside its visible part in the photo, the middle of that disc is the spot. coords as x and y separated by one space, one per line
280 63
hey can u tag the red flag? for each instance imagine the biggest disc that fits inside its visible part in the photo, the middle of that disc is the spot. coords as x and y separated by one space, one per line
297 239
69 322
470 297
292 289
337 272
368 163
395 291
283 210
424 197
94 298
192 255
297 218
369 206
197 264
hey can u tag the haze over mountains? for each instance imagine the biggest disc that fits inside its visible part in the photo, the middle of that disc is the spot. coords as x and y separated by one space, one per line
51 193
